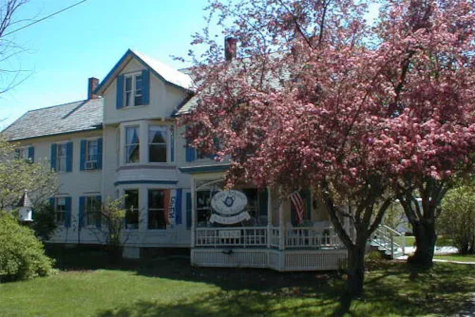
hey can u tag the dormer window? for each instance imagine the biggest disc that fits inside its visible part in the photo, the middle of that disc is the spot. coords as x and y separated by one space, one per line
133 92
133 89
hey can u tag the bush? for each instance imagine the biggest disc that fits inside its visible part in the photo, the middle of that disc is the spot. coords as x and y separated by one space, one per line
21 253
458 218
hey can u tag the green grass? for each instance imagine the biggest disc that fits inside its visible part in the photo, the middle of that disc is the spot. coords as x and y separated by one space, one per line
457 257
168 286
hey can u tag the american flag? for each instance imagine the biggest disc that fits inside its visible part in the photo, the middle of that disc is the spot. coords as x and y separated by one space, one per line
299 205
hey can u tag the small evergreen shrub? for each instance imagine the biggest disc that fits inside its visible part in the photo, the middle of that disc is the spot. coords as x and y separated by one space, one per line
22 255
44 221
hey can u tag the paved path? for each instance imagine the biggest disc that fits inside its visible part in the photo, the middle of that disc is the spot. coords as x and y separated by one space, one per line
450 261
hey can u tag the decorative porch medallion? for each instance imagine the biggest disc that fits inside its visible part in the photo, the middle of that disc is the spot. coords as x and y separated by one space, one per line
229 206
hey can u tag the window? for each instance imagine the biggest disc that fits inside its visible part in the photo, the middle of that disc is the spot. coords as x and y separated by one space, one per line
157 144
131 209
132 145
203 207
61 158
133 93
60 209
92 154
92 210
157 217
21 153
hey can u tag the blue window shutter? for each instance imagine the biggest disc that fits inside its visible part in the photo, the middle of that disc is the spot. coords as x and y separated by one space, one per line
54 153
178 218
82 208
172 144
31 154
82 162
190 153
69 157
51 202
120 92
67 222
188 210
99 217
146 87
99 153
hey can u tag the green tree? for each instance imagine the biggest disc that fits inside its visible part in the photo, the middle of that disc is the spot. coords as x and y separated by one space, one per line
458 217
18 174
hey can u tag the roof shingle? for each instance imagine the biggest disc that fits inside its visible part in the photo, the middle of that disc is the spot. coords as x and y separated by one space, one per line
76 116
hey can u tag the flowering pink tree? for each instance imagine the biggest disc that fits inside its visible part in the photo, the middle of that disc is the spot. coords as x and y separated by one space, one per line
432 135
318 99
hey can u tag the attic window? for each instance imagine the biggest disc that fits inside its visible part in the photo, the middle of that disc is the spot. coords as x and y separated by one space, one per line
133 93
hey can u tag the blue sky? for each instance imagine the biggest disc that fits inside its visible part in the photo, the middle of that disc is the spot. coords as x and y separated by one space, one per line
86 41
61 53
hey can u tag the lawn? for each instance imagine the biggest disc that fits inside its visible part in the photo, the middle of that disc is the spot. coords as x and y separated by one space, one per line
168 286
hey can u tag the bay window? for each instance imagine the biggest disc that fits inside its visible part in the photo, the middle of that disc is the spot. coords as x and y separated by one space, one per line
132 145
157 216
131 208
157 143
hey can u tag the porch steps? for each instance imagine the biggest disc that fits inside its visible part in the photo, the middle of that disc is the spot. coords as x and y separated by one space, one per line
388 241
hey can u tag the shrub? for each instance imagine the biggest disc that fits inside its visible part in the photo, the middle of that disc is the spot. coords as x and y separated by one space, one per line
21 253
458 217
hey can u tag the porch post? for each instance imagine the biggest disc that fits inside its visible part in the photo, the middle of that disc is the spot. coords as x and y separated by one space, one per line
269 217
281 226
193 211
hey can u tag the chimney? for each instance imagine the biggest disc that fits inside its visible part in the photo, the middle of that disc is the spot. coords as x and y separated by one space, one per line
230 48
92 84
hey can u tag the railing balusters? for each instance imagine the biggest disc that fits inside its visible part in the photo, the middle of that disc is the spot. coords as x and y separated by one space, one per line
303 237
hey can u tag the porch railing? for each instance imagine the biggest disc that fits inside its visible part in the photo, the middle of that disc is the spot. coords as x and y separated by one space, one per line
292 238
310 237
390 241
238 237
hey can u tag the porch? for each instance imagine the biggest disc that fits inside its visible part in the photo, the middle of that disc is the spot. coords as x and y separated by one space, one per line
290 249
257 228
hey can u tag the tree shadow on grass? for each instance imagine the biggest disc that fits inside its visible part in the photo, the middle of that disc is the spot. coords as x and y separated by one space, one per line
390 288
239 303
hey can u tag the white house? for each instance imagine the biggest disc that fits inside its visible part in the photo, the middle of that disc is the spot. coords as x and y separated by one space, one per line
126 143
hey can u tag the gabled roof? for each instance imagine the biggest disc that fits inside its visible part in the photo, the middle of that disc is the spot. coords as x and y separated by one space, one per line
162 71
71 117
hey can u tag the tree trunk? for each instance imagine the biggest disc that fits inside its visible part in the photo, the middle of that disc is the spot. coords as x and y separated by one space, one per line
424 232
356 269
